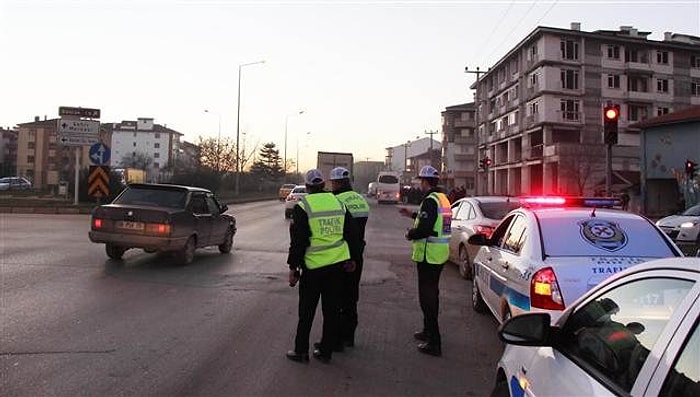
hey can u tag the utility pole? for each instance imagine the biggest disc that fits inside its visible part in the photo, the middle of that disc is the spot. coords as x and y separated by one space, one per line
476 130
431 133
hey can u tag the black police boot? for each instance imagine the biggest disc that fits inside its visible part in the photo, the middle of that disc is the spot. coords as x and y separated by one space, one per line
324 358
421 336
298 357
431 349
338 348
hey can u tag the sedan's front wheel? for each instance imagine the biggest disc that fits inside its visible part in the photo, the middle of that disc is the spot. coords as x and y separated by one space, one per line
478 303
465 268
114 251
226 246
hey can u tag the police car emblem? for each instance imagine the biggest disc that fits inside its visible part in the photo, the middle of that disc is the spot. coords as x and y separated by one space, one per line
603 234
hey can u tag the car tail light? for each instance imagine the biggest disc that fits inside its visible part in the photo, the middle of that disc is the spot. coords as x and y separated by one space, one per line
162 229
484 229
97 223
544 290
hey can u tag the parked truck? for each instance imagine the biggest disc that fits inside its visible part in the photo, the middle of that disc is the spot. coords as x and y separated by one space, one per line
329 160
131 175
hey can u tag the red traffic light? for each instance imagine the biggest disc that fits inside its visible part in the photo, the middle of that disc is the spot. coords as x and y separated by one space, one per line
487 162
611 113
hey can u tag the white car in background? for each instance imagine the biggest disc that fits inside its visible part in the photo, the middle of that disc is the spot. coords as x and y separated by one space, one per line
546 254
14 183
635 334
292 199
683 228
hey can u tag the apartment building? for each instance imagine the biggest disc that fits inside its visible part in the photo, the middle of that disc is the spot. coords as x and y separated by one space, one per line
459 156
8 151
147 145
409 157
540 106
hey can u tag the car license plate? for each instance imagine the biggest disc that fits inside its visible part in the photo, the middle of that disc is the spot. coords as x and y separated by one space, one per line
130 225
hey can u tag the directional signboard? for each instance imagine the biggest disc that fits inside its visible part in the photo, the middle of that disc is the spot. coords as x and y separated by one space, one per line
99 154
73 132
79 112
98 181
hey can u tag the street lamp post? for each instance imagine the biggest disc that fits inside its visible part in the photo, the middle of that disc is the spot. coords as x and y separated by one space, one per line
218 141
286 122
297 161
238 126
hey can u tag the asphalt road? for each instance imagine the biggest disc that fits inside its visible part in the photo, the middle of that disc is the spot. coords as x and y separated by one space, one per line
73 323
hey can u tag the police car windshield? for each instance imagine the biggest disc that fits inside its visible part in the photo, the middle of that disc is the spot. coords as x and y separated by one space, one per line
610 236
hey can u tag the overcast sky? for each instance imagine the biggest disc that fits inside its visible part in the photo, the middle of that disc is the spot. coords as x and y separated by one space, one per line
368 74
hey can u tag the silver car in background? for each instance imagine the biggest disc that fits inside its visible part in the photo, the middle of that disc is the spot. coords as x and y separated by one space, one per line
683 228
471 215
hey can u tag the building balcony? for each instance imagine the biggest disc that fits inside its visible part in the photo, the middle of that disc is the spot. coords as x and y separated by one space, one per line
533 153
464 123
569 117
464 157
532 119
641 96
463 173
639 67
464 140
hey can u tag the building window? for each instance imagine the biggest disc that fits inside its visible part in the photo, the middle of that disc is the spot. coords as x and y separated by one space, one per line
534 108
134 134
569 109
31 145
662 85
156 155
613 81
569 49
533 52
156 145
156 165
134 143
569 79
695 88
157 135
661 111
662 57
637 113
533 79
635 55
695 61
637 84
614 51
30 159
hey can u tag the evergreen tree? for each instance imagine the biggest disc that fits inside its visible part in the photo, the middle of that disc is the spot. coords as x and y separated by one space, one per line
268 166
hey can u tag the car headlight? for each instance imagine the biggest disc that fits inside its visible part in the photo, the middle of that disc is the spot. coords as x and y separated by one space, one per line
688 224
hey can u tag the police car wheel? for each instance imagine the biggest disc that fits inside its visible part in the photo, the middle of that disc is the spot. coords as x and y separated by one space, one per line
478 303
501 389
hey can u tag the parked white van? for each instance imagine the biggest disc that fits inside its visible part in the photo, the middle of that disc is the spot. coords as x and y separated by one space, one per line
389 187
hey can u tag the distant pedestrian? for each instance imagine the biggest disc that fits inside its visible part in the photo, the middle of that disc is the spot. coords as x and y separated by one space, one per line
625 199
359 209
430 236
321 236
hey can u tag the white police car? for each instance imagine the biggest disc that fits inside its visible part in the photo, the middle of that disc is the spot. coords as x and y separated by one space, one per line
637 333
549 252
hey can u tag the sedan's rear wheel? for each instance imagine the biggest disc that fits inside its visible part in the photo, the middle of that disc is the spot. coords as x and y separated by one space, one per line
114 251
465 268
226 246
478 303
187 253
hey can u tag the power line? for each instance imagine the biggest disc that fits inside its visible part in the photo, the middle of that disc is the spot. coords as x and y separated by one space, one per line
500 21
517 25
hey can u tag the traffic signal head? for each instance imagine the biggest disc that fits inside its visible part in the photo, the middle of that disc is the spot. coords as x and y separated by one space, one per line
487 162
610 116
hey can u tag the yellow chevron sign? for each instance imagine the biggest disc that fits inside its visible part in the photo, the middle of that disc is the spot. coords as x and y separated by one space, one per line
98 181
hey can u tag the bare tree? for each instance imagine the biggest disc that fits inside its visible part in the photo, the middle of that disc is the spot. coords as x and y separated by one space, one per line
578 163
138 160
217 154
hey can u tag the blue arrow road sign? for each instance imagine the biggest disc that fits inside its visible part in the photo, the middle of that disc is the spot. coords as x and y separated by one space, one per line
99 154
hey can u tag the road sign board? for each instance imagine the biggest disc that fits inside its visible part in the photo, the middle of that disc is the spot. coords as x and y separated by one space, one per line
98 181
78 140
79 112
99 154
78 127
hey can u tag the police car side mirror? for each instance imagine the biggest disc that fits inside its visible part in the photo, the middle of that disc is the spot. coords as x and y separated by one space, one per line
478 239
223 208
529 329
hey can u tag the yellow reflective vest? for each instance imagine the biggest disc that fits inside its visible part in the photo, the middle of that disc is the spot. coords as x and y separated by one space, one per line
355 203
326 220
435 249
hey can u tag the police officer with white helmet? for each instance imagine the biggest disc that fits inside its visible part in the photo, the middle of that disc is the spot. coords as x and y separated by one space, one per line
430 236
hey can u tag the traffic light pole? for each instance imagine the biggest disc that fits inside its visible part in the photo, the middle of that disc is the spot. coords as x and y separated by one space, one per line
608 169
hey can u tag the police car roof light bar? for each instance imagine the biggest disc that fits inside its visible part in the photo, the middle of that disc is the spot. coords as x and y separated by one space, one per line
559 201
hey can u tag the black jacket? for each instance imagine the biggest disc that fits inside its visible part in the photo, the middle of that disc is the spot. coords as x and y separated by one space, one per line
300 237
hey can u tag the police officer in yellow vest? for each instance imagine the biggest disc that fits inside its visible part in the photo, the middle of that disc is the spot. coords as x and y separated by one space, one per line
430 236
359 209
322 237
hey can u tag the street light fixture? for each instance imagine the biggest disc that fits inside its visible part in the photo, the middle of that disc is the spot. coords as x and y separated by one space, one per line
286 122
218 140
238 126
